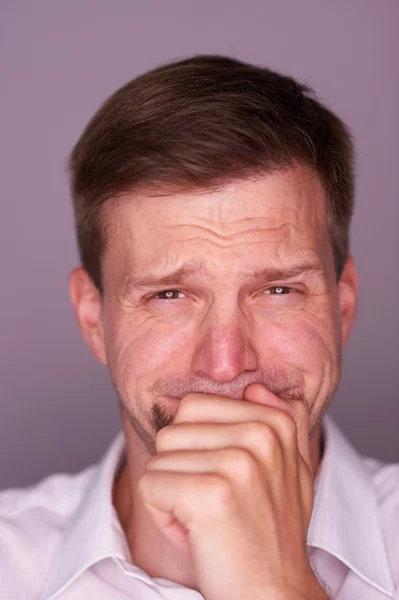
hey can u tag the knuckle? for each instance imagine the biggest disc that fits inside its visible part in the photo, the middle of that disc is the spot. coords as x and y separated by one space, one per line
287 424
261 435
239 465
218 494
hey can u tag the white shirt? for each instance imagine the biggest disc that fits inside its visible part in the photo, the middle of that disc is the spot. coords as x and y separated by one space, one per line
61 539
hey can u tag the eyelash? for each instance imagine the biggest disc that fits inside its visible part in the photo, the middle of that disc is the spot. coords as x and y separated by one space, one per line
273 287
154 296
284 287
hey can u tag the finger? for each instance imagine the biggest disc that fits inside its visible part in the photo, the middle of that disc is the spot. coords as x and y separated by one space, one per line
298 410
300 414
258 438
218 409
236 464
160 505
191 499
221 409
266 408
259 394
225 461
260 402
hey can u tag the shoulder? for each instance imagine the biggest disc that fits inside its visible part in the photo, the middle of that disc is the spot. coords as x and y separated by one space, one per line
32 522
56 494
385 478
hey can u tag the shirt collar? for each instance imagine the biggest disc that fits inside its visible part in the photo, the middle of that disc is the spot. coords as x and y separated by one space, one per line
345 520
94 532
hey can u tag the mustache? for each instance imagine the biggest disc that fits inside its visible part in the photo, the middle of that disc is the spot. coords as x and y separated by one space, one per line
280 383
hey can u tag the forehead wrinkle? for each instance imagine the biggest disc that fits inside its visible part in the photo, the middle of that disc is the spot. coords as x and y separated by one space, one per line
225 245
276 219
258 218
283 228
139 237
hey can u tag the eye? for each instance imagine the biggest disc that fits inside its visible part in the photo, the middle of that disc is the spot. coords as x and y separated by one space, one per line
166 295
280 290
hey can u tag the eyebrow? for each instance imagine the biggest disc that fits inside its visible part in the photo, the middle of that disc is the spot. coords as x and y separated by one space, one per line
144 282
300 269
180 275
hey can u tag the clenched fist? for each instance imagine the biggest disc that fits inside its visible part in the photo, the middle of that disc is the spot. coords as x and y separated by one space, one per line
232 485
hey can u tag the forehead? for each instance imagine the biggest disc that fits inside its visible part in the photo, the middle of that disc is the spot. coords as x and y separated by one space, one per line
282 211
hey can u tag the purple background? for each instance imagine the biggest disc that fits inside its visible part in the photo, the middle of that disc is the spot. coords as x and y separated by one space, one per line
58 62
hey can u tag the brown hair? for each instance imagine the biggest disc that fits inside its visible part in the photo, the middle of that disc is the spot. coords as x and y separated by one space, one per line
200 123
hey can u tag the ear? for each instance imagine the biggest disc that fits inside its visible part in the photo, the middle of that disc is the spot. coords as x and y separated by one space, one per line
347 295
87 303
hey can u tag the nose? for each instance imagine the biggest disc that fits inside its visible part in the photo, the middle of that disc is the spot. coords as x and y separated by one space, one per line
223 349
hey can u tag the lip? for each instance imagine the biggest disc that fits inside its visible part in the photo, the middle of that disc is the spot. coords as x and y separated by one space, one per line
285 394
289 395
168 398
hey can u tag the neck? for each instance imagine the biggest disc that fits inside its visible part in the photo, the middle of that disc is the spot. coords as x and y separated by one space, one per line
149 549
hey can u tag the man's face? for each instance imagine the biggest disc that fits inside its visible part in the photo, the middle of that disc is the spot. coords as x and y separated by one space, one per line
250 296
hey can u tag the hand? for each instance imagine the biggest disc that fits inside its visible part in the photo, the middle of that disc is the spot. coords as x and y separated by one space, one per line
232 485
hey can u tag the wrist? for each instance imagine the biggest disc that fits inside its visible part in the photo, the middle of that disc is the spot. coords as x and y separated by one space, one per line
312 591
318 593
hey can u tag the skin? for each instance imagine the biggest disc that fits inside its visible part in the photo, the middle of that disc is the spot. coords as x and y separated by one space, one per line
196 367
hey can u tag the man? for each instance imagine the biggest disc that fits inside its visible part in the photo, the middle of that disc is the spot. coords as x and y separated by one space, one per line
213 202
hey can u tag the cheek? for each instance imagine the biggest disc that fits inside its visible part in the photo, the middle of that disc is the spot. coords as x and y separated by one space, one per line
305 342
137 350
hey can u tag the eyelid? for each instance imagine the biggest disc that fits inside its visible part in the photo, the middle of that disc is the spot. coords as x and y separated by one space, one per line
152 296
295 285
272 285
292 288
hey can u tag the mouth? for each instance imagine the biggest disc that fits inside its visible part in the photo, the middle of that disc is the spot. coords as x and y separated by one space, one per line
285 394
290 394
